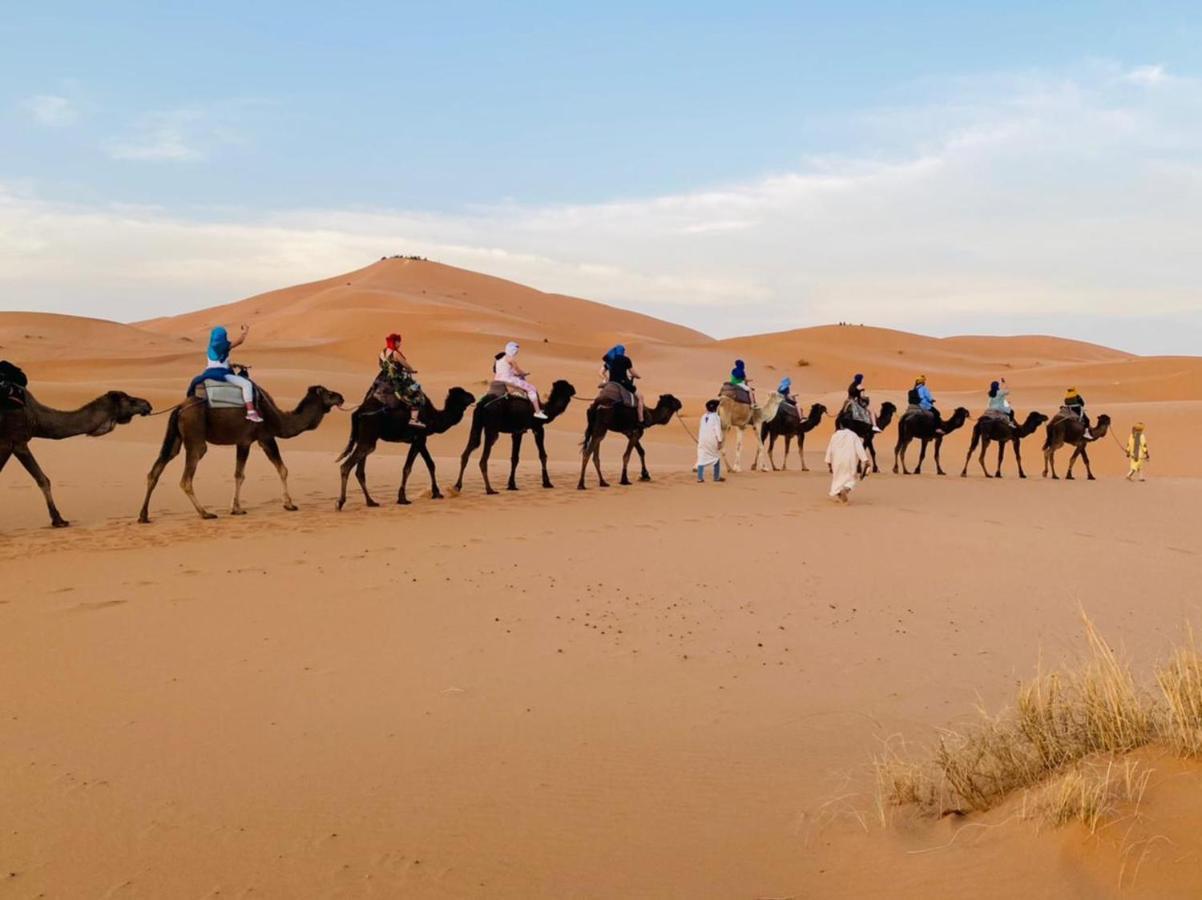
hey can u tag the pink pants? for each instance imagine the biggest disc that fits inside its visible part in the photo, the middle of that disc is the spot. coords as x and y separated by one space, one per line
526 386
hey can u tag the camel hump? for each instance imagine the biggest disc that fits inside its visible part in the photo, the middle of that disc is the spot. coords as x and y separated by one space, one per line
222 395
613 394
736 393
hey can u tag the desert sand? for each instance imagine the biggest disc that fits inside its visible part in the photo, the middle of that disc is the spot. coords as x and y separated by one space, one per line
664 689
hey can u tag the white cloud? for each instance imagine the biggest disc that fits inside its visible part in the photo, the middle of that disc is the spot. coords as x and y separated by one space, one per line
172 136
50 109
1146 75
1070 205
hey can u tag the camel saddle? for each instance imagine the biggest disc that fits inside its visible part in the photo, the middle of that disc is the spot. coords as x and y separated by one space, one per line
915 410
613 394
222 394
856 412
1066 413
998 414
12 385
788 410
736 392
498 390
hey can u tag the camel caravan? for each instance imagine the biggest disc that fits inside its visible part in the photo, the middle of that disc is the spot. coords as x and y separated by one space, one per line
225 407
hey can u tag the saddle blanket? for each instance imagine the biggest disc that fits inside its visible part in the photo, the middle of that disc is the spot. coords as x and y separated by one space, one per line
997 414
856 412
222 395
915 410
736 393
789 411
613 394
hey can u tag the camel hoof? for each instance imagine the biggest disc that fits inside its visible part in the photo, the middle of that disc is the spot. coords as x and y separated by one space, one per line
581 487
143 520
490 491
291 507
624 481
372 503
1021 475
603 484
1090 478
644 478
547 485
1057 477
436 495
404 502
60 523
237 512
511 487
208 515
1069 477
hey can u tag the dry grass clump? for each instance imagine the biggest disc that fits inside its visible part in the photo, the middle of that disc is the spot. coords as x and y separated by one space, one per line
1059 721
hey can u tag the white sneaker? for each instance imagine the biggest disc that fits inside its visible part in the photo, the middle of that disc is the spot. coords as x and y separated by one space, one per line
540 415
876 429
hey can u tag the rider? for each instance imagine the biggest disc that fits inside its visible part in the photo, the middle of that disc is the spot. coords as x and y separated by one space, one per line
738 377
785 389
920 396
400 375
1074 402
217 368
617 367
507 370
857 393
999 400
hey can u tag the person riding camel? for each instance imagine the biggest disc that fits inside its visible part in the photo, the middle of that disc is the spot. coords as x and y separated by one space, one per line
856 404
506 370
617 367
400 374
785 389
1075 403
920 396
999 402
738 377
217 368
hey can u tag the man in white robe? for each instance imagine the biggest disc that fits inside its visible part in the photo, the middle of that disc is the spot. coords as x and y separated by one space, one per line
709 442
844 454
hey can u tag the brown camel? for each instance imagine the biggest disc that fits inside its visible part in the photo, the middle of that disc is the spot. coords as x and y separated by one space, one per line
1069 429
624 420
193 426
736 414
995 428
512 415
925 428
19 425
864 429
789 424
373 422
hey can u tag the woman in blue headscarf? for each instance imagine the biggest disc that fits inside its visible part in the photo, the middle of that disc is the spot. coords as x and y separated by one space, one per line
738 377
617 367
217 368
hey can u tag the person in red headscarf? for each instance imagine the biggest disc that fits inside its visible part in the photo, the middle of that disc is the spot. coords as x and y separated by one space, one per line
400 374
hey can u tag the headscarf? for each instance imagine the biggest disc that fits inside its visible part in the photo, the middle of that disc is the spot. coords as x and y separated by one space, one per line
1138 426
219 344
993 388
921 379
859 377
393 341
511 349
785 384
739 371
1070 393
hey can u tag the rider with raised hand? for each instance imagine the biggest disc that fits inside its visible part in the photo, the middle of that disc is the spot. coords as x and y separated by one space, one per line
218 368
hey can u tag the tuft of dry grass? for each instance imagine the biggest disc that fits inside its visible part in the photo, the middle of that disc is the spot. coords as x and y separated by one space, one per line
803 362
1060 722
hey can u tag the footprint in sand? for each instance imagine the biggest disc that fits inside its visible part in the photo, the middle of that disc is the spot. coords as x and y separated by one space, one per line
99 604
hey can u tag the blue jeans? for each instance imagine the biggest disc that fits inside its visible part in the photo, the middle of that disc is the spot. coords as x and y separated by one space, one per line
717 471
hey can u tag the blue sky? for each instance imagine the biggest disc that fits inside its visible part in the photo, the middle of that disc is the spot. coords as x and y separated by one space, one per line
943 166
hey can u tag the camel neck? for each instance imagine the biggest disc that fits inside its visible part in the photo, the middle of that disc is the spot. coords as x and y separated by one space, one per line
57 424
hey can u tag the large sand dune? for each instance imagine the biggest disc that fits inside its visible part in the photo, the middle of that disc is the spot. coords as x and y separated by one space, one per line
660 690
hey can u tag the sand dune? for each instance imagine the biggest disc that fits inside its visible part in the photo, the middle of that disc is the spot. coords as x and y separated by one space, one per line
660 690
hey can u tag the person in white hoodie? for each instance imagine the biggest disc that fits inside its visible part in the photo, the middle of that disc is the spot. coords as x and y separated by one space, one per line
709 442
845 454
507 370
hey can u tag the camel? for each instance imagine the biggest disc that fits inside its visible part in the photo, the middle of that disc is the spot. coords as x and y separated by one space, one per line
193 426
623 420
922 427
742 416
19 425
1068 429
790 426
995 428
373 422
513 415
864 429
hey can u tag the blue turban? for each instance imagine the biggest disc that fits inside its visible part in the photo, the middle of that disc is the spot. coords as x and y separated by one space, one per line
993 388
614 352
785 384
219 344
738 371
858 378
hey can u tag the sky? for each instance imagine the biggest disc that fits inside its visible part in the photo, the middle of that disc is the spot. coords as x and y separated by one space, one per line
942 167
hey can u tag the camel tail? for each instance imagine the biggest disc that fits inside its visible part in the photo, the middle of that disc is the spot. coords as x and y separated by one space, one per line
1047 439
350 444
586 444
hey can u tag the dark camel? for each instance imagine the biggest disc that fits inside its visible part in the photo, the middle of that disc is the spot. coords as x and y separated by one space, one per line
785 424
373 422
864 429
922 427
623 420
995 428
1071 430
21 424
512 415
193 426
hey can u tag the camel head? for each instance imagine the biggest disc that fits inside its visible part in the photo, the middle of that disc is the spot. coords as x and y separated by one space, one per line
885 416
324 396
458 398
669 404
561 395
1032 422
1101 426
120 409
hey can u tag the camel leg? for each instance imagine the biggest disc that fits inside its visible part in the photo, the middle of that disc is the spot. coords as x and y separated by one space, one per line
241 454
490 438
414 449
738 464
473 441
630 442
1068 476
514 457
1001 456
968 456
595 456
435 493
586 453
193 454
1018 457
757 464
272 450
871 444
361 476
4 455
357 461
801 451
644 475
25 457
938 453
540 442
772 446
1049 463
152 478
922 455
1085 459
899 456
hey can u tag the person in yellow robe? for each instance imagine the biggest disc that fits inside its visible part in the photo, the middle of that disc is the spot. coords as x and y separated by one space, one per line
1137 451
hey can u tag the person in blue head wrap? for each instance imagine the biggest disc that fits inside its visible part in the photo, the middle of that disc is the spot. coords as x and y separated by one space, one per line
217 368
617 367
785 389
738 377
